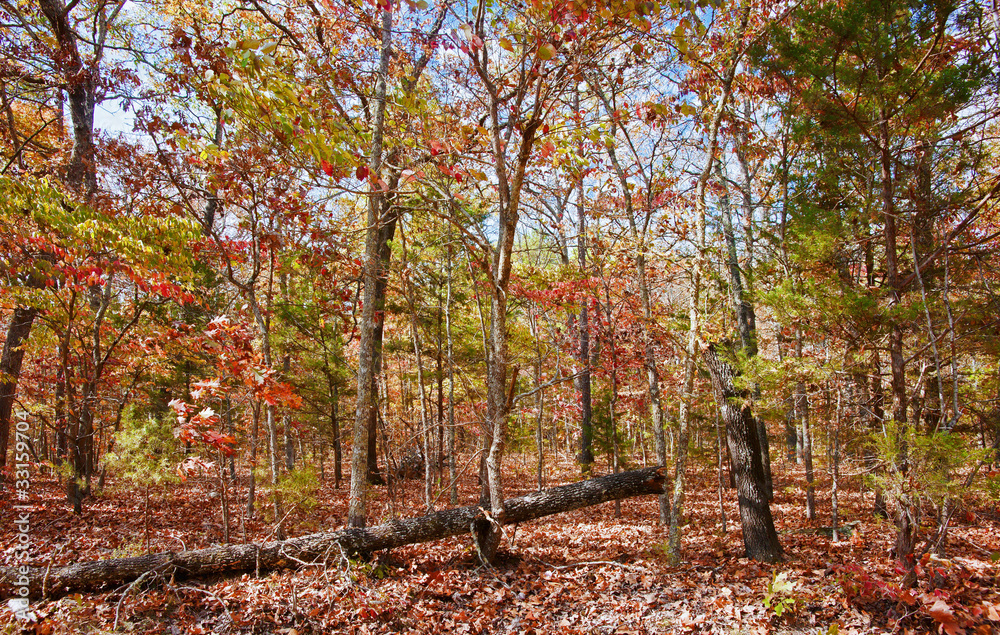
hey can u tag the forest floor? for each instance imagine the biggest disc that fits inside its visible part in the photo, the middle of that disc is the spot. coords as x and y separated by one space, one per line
586 571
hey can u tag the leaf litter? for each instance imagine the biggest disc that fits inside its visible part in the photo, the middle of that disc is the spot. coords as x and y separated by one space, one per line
580 572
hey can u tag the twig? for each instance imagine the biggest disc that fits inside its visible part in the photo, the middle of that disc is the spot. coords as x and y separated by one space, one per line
552 382
982 550
48 568
587 564
125 595
212 595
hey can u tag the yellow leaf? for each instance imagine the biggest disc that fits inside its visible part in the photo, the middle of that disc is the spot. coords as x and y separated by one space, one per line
506 45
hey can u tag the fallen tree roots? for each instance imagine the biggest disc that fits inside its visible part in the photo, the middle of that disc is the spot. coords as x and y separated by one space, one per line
321 547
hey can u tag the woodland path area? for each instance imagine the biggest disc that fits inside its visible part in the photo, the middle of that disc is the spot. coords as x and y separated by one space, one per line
583 571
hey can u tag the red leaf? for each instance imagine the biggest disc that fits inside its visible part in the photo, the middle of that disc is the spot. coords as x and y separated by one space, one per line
327 167
941 612
363 172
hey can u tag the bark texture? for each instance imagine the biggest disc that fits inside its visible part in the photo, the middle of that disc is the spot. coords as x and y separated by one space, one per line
10 370
366 351
759 536
331 546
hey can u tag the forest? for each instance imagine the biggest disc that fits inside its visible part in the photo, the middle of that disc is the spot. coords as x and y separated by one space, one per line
527 316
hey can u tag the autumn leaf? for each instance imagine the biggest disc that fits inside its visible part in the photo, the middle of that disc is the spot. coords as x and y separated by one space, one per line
943 614
546 52
327 167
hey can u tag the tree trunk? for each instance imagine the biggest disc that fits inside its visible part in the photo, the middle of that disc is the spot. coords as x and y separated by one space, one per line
498 398
586 457
338 456
452 478
425 427
388 217
694 328
835 471
804 433
356 513
759 536
59 581
286 422
10 370
746 317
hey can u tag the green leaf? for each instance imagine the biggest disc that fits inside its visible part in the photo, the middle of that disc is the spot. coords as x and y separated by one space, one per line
546 52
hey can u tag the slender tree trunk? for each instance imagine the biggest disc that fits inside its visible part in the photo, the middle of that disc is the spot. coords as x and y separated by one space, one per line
539 396
807 454
510 183
386 215
906 511
802 412
274 463
452 479
224 496
286 423
388 218
835 472
439 376
652 375
586 457
338 457
252 486
694 326
613 400
357 504
425 427
721 443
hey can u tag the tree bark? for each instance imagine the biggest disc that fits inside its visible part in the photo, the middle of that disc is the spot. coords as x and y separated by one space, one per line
10 370
510 182
356 512
59 581
586 458
759 536
746 317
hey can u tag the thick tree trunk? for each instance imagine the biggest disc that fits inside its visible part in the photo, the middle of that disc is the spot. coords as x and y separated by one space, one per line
387 231
59 581
759 536
746 317
10 370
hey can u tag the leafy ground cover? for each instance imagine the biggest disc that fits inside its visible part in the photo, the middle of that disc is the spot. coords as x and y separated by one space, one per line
581 572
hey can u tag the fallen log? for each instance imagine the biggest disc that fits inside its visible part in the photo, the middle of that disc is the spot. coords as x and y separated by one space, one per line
55 581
